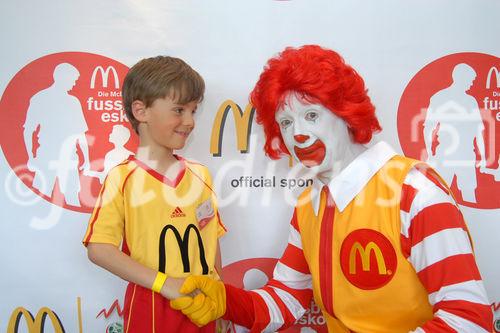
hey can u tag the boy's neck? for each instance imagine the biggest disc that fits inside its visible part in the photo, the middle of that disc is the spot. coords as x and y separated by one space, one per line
160 159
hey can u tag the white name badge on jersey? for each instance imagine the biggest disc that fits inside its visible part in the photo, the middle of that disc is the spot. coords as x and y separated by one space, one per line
204 213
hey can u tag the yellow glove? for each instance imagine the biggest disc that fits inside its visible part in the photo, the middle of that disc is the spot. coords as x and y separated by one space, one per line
205 307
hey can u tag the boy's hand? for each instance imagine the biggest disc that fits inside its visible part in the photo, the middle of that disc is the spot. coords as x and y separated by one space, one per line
170 289
205 307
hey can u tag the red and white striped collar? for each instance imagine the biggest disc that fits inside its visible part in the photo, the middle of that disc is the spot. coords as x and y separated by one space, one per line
349 183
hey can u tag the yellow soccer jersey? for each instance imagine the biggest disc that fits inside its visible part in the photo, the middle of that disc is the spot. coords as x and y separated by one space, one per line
169 225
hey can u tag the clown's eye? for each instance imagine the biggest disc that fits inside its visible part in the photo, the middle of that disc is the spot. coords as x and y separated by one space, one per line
284 123
311 116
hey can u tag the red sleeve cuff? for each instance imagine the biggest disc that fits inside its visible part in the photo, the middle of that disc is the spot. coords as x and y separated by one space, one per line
239 306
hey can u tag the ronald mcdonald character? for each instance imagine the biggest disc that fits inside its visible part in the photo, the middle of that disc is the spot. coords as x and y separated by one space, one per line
378 240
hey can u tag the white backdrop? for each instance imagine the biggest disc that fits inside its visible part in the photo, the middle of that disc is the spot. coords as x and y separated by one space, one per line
228 42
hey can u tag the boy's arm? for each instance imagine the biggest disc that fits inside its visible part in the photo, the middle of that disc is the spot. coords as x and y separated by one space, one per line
109 257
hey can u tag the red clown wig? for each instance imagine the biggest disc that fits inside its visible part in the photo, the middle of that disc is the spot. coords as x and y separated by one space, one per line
319 76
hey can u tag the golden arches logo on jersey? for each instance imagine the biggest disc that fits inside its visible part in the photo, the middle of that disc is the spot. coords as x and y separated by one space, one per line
364 254
243 126
35 324
368 259
183 244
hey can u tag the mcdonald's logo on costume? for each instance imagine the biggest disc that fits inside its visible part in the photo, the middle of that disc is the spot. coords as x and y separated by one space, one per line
365 253
183 243
243 124
104 76
34 324
368 259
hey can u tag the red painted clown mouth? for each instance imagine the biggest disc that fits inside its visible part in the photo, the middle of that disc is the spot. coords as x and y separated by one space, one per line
311 156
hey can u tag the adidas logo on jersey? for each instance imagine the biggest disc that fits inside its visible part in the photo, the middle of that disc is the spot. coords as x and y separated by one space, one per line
177 213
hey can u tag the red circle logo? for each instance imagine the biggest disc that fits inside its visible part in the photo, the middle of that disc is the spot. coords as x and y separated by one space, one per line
64 126
449 116
368 259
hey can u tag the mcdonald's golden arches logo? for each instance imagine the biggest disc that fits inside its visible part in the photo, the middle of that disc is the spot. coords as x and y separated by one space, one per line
183 244
365 254
105 74
493 72
368 259
35 324
243 124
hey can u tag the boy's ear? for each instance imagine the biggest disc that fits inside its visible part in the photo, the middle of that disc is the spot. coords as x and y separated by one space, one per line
139 110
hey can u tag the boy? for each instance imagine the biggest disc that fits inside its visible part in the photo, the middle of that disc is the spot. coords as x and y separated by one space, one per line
157 205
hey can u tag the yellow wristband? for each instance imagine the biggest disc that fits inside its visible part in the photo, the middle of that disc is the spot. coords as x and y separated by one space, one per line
159 281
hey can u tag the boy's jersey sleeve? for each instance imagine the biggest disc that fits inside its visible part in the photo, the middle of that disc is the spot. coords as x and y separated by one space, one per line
107 222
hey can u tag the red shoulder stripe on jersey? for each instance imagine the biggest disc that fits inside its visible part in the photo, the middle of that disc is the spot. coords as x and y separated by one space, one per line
126 161
479 314
96 215
451 270
180 158
293 257
220 222
433 219
126 178
201 179
408 193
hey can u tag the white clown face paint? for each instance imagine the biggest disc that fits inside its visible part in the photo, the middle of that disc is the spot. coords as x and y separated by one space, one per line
314 136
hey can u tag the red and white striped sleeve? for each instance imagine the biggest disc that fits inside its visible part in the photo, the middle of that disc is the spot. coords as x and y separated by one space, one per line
436 242
283 300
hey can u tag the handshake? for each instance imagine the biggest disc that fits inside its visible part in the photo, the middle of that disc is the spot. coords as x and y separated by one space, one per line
206 306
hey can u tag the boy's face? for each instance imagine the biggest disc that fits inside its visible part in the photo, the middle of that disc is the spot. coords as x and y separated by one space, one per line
169 123
314 136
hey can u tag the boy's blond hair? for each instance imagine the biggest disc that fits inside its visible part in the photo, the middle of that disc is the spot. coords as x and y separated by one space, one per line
159 77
